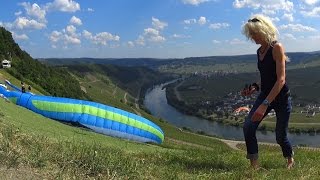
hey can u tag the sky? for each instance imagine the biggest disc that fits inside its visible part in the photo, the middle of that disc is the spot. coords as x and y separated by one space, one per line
154 28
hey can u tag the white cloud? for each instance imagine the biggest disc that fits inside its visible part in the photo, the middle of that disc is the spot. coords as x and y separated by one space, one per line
288 36
315 12
76 21
157 39
190 21
18 13
216 41
67 36
20 36
100 38
87 34
152 34
140 41
297 28
34 10
103 37
216 26
63 5
156 23
55 36
194 2
267 6
71 39
180 36
71 29
24 23
130 44
274 19
202 20
310 2
90 10
288 17
236 41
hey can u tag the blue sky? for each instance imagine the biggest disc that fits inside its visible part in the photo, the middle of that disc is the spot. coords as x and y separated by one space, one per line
154 28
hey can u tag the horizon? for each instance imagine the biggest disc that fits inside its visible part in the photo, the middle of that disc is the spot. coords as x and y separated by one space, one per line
172 29
317 51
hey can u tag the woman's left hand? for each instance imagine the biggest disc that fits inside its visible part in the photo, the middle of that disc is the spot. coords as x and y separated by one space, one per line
259 113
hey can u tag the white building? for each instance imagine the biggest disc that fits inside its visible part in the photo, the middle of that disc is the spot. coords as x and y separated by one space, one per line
6 64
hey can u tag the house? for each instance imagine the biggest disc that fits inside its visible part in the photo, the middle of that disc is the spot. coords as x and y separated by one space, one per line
6 64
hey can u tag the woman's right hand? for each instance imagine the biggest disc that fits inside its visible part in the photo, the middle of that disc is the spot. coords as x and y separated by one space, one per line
248 90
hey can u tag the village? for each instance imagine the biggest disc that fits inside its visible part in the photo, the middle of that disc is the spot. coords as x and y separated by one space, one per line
237 105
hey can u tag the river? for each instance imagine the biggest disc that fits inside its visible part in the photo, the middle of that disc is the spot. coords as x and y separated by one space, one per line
156 102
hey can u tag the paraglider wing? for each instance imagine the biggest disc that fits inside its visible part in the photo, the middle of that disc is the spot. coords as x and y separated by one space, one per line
100 118
240 109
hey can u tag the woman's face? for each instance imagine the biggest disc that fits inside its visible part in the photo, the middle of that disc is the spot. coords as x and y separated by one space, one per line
257 37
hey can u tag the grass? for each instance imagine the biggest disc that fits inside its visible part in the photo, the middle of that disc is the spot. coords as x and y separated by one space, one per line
106 93
48 149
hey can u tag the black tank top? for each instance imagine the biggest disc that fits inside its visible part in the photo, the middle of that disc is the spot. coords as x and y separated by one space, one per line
268 73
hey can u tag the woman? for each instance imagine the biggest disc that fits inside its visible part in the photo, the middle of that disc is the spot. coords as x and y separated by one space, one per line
274 93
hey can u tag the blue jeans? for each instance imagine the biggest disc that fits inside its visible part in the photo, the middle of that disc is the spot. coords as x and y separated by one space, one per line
282 107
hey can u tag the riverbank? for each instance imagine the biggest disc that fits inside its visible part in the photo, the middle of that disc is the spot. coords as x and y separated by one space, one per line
157 104
240 145
299 123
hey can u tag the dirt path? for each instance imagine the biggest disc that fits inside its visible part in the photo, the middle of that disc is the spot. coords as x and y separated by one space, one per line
234 144
136 103
115 91
137 112
125 98
176 92
83 89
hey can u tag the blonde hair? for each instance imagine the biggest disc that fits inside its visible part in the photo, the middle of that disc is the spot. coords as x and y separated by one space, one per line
263 25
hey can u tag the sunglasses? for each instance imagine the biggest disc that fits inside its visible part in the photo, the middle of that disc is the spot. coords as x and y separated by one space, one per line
254 20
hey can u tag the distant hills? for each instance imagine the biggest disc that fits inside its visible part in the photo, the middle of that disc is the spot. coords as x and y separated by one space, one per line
295 59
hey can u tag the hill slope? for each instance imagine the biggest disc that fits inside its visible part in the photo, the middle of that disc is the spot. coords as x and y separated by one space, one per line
40 148
134 80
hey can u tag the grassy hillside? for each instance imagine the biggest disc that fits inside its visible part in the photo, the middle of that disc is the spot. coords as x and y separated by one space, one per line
134 80
37 147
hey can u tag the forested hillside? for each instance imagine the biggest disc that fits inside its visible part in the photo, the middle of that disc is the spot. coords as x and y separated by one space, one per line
50 80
